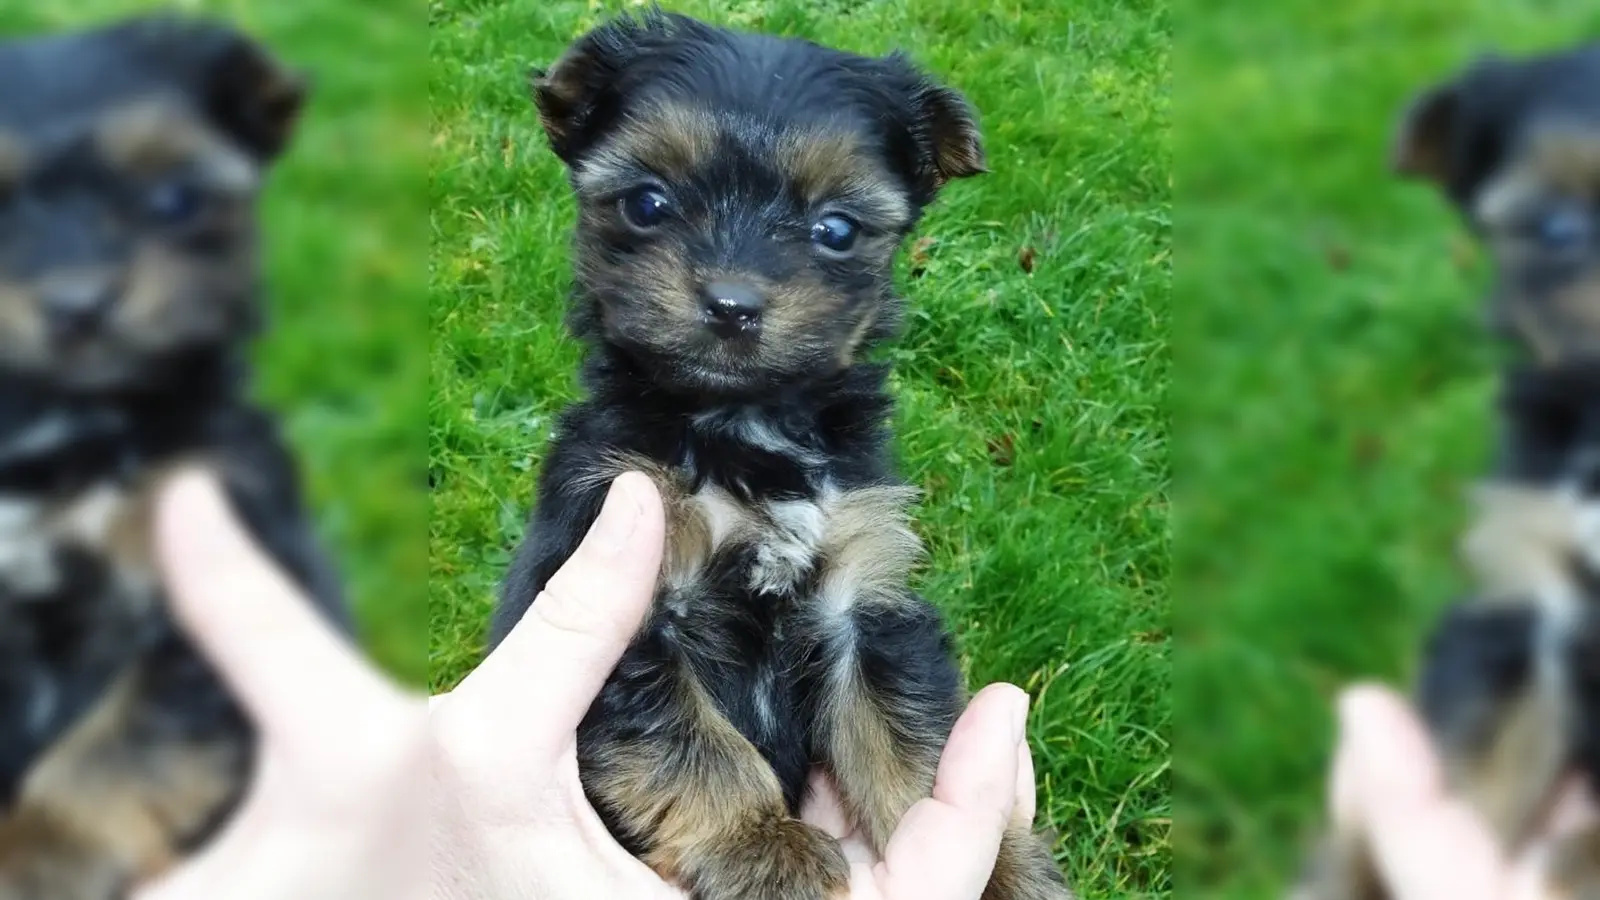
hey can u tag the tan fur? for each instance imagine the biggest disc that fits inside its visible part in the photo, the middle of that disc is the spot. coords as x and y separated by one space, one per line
713 810
671 141
157 137
1510 782
104 799
1024 870
1522 540
869 548
1575 865
880 772
833 166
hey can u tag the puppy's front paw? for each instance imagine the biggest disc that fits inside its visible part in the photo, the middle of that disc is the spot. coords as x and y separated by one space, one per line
1024 870
38 862
768 859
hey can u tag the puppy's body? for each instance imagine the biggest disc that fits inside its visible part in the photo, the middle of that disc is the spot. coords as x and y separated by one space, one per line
128 159
741 199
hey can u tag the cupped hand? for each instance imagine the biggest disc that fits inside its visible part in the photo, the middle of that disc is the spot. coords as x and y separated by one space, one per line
511 820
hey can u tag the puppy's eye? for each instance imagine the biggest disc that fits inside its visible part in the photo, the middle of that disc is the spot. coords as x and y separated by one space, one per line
1566 228
173 202
645 208
835 233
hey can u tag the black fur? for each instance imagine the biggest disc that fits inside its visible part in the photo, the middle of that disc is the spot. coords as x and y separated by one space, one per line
169 386
747 416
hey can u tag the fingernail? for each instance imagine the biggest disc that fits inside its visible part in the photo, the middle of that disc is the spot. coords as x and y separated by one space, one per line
619 517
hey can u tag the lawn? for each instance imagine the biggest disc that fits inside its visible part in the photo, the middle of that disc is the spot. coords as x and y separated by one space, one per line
1336 395
1031 380
345 223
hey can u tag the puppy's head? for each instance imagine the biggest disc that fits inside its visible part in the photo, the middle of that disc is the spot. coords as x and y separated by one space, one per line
741 197
129 162
1515 144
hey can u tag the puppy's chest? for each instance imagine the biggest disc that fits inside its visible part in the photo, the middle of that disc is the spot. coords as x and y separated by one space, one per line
78 600
768 561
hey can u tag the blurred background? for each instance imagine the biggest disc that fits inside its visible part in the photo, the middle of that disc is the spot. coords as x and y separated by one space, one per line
1335 394
343 360
1031 379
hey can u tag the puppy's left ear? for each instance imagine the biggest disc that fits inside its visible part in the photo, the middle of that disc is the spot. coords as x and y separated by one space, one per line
949 144
239 85
255 97
1422 141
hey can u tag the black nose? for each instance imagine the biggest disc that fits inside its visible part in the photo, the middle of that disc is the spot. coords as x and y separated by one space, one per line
731 308
74 305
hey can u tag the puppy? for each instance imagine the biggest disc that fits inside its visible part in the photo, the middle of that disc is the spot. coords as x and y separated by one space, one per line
740 202
130 159
1515 145
1509 684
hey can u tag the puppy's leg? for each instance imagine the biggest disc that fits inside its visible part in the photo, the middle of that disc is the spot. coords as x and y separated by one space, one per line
693 797
1498 712
116 800
890 697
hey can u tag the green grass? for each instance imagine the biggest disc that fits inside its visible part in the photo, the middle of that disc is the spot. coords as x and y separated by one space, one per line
345 225
1031 406
1335 401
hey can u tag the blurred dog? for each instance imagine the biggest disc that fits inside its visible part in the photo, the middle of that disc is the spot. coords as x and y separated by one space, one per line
1515 145
130 158
1510 678
740 202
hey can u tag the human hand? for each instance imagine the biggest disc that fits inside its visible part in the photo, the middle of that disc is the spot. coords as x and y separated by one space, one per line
511 819
946 845
1388 785
334 811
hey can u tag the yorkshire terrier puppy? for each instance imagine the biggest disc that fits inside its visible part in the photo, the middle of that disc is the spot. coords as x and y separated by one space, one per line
130 159
1515 146
1507 685
1510 683
740 202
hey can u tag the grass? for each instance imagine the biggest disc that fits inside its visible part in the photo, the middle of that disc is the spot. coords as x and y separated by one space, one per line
345 225
1336 401
1031 404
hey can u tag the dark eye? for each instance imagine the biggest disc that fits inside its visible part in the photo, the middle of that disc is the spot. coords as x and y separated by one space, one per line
173 202
835 233
645 208
1565 228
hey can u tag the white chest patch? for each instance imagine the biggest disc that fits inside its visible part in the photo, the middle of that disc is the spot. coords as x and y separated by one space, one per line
33 531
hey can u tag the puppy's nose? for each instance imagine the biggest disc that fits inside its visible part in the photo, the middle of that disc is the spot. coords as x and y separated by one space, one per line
732 308
75 304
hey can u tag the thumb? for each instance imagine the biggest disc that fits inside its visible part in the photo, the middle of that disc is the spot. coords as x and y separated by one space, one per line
946 846
548 670
1390 788
247 617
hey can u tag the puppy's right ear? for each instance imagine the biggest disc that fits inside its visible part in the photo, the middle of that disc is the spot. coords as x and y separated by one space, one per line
1422 144
578 97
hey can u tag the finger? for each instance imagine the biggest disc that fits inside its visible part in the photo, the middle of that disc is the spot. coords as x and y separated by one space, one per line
1424 843
823 808
535 687
276 652
946 845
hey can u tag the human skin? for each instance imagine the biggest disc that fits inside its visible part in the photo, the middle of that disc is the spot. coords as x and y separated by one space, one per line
510 817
